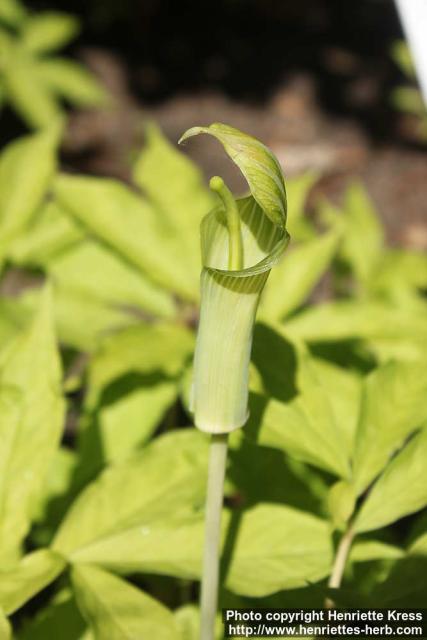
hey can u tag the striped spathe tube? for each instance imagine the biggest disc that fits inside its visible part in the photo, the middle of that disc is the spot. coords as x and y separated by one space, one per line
230 297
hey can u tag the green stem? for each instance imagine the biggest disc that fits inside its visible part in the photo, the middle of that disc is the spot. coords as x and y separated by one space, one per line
340 563
214 499
235 253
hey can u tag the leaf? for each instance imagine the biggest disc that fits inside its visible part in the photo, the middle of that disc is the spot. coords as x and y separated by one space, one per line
146 349
294 414
393 406
61 613
141 409
20 582
27 94
117 610
31 364
343 389
166 477
363 237
133 379
364 550
51 231
26 170
49 509
185 200
341 502
401 490
293 280
72 82
12 12
404 587
48 31
130 226
297 189
263 474
171 546
5 628
277 547
259 166
400 269
349 320
95 319
92 270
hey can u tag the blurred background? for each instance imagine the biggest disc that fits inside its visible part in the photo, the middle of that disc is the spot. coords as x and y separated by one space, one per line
321 81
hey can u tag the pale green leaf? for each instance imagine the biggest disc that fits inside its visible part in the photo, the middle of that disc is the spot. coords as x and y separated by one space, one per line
349 320
31 364
343 389
295 413
117 610
400 269
13 318
5 627
277 548
363 236
297 189
91 270
133 379
124 423
12 12
48 31
341 502
72 82
293 280
257 163
365 550
82 321
51 231
166 477
26 169
132 227
32 100
146 349
185 200
58 481
95 318
401 490
393 406
61 613
170 546
20 582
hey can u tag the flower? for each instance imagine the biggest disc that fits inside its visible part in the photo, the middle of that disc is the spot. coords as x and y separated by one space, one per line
241 240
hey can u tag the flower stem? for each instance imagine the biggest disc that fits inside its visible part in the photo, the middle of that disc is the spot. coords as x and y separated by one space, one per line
339 563
235 252
214 499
